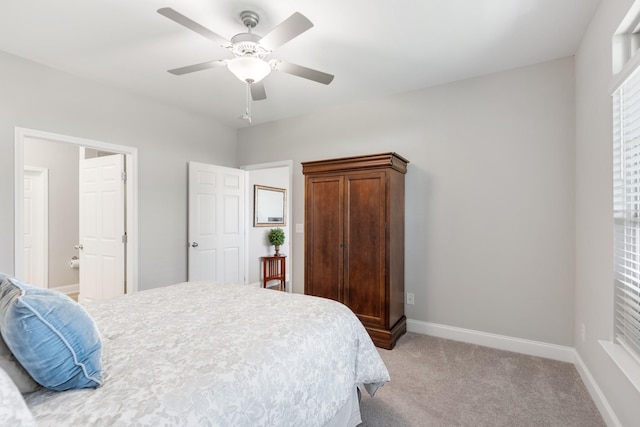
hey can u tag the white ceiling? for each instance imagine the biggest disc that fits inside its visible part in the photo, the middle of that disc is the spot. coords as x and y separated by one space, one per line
373 47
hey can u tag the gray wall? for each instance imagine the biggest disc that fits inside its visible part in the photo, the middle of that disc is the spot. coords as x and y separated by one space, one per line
37 97
62 162
489 193
594 222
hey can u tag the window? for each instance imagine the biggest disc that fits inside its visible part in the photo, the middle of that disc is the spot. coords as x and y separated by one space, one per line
626 211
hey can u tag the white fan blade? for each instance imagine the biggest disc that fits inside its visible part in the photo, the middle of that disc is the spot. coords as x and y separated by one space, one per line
198 67
193 26
257 91
300 71
288 29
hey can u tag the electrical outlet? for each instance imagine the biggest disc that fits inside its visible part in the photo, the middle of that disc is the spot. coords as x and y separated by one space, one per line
583 332
410 298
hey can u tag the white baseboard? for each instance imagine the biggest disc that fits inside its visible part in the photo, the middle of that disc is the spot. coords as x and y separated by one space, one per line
596 394
518 345
67 289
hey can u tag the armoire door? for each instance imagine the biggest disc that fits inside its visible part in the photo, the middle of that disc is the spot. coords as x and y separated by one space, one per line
324 234
365 246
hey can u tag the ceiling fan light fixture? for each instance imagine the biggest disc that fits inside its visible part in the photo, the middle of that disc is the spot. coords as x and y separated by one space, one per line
249 69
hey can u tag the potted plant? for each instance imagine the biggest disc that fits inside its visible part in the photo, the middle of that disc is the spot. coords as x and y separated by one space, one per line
276 238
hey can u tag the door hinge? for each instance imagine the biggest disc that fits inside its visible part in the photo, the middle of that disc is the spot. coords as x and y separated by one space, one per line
124 176
124 238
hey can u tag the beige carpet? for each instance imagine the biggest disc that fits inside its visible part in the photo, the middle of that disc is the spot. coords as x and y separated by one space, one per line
438 382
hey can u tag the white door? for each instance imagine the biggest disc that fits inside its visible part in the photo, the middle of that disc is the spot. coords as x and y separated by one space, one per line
216 223
102 227
36 227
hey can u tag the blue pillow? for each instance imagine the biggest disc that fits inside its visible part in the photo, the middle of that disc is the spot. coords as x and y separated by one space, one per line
52 336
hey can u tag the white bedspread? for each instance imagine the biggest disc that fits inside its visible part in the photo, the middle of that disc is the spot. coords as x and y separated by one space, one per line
208 354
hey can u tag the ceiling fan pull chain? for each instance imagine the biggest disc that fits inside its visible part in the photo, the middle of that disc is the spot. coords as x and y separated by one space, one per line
247 114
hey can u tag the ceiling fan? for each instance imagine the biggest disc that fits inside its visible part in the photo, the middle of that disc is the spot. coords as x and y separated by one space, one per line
250 50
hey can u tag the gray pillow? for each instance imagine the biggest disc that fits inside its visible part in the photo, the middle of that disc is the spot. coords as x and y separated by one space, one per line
14 369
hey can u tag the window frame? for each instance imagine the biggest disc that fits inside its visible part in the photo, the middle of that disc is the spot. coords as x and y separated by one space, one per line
626 204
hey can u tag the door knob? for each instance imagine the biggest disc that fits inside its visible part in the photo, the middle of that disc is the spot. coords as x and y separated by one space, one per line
79 246
194 245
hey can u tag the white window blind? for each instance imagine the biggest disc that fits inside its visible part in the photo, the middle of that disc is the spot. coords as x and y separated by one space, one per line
626 211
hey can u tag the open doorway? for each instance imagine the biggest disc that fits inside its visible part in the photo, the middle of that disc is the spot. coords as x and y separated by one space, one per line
62 154
278 175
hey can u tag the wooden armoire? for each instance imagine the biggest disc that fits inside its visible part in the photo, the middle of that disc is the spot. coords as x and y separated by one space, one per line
354 239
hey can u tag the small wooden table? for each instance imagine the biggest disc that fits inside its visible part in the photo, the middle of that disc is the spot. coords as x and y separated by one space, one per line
274 268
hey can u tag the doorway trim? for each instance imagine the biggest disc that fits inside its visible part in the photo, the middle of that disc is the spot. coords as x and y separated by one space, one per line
43 219
131 162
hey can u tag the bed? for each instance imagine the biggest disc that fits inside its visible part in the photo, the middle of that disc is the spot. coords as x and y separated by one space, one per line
217 354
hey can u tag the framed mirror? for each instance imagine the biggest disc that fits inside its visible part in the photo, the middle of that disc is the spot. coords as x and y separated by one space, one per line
269 206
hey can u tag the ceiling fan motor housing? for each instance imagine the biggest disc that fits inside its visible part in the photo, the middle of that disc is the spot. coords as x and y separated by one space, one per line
247 44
